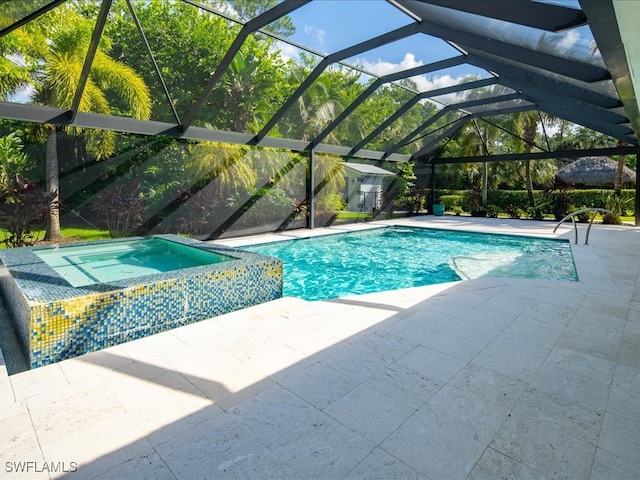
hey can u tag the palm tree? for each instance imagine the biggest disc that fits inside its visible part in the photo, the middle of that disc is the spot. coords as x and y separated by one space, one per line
55 50
239 85
474 139
223 167
320 104
527 123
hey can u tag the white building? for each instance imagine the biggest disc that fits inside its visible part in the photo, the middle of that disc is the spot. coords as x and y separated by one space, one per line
364 186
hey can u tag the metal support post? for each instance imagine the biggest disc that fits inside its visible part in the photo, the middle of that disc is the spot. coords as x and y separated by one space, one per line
636 208
433 187
311 181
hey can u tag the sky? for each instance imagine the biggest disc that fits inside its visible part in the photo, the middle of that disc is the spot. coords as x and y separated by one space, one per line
328 26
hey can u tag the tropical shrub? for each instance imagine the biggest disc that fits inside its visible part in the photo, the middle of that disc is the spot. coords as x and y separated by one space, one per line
12 159
584 217
24 209
412 201
618 206
333 202
558 197
508 201
121 208
268 205
514 211
493 211
457 210
535 213
195 209
474 203
393 188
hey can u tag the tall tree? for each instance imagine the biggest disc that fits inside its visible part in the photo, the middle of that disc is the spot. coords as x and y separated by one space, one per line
54 51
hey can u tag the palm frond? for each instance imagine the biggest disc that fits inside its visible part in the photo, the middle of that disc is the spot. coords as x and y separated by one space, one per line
110 74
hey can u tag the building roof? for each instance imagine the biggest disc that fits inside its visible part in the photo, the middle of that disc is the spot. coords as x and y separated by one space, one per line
364 169
596 171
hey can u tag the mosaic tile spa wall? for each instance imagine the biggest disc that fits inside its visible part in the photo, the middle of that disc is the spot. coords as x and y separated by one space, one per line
55 321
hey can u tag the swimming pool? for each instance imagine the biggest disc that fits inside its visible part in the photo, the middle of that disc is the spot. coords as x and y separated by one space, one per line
103 262
390 258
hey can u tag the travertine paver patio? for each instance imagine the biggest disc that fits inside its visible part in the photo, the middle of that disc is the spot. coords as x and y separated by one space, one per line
491 378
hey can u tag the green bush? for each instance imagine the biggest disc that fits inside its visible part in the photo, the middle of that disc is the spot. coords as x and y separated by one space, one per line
514 211
451 201
331 202
504 198
584 217
535 213
413 200
508 201
617 205
587 198
493 211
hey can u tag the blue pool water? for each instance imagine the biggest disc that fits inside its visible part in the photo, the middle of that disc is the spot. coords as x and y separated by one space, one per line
103 262
390 258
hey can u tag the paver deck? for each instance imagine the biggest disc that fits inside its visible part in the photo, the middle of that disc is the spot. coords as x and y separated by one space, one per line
489 378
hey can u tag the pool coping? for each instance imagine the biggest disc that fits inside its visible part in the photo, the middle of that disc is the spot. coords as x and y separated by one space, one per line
41 283
54 320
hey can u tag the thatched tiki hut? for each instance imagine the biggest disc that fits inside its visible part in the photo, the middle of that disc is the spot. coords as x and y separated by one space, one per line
596 172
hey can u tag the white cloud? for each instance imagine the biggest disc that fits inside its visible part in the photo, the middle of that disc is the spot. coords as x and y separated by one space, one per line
570 39
319 35
424 83
435 82
381 67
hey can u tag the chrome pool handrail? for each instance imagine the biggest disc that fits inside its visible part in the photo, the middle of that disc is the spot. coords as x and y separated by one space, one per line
575 226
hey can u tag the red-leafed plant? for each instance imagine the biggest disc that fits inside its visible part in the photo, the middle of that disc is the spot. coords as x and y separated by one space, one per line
121 207
24 208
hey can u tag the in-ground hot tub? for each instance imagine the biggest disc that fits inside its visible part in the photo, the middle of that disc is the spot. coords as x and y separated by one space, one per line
77 298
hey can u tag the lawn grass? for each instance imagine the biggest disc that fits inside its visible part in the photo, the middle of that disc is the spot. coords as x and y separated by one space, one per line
85 234
353 216
69 235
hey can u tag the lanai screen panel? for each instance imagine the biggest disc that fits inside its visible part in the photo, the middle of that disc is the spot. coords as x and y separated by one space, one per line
448 77
325 99
15 11
329 26
174 46
402 126
545 52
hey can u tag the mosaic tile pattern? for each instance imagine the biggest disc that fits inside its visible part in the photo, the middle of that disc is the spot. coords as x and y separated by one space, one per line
55 321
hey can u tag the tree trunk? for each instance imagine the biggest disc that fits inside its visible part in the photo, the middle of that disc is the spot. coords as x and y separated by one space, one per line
53 227
527 174
529 136
485 183
617 183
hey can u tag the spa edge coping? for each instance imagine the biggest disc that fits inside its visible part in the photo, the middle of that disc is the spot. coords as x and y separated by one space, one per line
41 283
